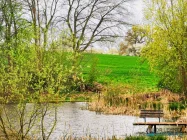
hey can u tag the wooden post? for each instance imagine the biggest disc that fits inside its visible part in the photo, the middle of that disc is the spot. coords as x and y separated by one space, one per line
155 129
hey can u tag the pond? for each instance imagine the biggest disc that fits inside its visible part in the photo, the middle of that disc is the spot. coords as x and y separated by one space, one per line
75 121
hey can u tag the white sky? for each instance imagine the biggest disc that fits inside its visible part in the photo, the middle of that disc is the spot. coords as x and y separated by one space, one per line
136 7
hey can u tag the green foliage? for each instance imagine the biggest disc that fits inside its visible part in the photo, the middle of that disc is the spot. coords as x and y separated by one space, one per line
32 74
177 106
135 35
136 138
28 71
145 138
93 73
158 138
166 49
21 63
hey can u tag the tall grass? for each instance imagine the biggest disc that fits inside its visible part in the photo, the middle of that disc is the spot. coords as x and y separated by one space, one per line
146 138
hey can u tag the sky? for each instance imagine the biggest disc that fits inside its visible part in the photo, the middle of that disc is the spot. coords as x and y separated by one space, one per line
137 9
136 17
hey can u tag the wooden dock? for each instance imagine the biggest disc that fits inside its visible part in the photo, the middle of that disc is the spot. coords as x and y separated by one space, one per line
154 124
160 123
158 114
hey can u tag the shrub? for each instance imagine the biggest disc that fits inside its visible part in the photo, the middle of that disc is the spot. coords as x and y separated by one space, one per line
176 106
93 73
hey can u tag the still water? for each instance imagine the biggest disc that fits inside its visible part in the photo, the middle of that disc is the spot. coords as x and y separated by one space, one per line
78 122
75 121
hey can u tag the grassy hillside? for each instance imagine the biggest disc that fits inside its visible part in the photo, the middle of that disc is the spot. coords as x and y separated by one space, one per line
119 69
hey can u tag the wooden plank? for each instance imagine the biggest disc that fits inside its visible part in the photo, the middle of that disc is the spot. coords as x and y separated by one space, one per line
160 123
151 111
151 115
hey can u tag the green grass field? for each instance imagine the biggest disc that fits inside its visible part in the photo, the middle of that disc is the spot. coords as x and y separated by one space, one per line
117 69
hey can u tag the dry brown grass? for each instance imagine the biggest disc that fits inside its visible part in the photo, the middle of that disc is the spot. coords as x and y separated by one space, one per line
130 104
177 138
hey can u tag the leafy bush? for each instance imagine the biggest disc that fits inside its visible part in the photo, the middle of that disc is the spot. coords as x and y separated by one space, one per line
177 106
166 47
93 73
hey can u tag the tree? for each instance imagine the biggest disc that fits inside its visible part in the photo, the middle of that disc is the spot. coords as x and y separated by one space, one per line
135 35
122 48
90 21
166 50
10 15
22 83
11 24
22 80
43 15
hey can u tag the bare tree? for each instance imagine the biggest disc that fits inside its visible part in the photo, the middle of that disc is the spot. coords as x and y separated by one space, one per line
43 14
122 48
90 21
22 120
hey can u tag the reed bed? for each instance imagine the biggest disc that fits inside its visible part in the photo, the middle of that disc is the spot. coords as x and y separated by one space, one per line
120 100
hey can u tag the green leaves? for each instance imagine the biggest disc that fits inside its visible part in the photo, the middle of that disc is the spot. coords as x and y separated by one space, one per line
29 71
166 52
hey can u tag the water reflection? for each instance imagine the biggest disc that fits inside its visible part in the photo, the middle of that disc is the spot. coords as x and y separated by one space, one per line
74 121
